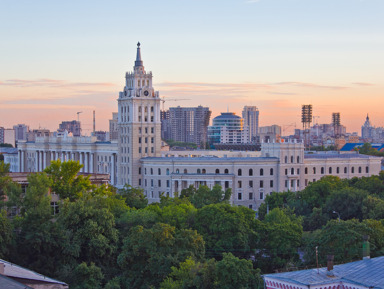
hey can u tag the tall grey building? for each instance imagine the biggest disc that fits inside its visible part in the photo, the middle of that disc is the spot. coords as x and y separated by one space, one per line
189 124
113 130
21 131
71 126
251 119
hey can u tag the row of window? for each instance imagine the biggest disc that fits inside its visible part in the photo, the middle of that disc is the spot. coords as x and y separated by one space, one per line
250 197
146 140
330 170
146 130
146 150
203 171
292 159
250 184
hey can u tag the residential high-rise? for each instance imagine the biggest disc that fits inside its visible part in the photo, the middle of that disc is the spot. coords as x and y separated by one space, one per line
113 131
139 123
21 131
73 127
189 124
251 119
228 128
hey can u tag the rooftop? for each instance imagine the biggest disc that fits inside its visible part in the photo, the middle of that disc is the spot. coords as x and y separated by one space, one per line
367 273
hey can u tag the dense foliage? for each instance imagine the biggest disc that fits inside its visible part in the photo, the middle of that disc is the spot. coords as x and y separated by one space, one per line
104 238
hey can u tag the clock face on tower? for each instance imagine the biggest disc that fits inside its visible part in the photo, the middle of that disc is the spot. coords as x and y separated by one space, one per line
146 92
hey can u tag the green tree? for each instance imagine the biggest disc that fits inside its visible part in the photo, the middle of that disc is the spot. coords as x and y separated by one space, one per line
280 237
134 197
86 277
275 200
147 255
65 179
6 234
91 235
230 272
373 208
38 238
348 202
227 228
204 196
7 186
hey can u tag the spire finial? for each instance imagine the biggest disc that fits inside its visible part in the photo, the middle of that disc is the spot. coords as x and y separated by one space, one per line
138 61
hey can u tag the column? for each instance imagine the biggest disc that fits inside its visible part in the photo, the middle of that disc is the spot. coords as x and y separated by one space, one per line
41 153
19 156
91 165
113 170
73 156
81 161
86 162
36 161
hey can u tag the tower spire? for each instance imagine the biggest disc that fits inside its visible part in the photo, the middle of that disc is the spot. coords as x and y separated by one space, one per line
138 61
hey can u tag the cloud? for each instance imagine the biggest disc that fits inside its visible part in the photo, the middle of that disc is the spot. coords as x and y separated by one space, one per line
363 83
310 85
52 83
282 93
252 1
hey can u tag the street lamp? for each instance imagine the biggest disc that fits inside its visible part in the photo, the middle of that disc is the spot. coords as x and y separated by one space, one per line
337 214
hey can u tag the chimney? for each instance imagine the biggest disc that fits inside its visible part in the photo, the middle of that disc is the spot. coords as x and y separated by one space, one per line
366 247
2 266
330 265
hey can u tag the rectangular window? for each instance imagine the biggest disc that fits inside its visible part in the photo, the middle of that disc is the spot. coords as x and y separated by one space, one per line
250 206
152 150
152 130
139 182
251 196
146 130
251 184
152 139
239 196
151 118
168 184
261 184
271 183
286 183
146 140
239 184
146 150
151 182
139 139
139 150
159 183
286 171
261 196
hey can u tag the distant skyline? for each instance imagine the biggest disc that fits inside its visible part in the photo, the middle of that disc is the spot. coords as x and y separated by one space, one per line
61 57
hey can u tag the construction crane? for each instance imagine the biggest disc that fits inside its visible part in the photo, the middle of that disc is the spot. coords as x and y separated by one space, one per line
288 126
78 115
163 99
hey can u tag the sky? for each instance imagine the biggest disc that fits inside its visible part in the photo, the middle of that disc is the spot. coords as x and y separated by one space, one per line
58 58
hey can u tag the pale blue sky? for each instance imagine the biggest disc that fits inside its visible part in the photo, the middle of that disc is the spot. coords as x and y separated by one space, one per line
278 54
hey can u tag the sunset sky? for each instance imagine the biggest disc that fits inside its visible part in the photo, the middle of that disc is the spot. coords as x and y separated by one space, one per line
61 57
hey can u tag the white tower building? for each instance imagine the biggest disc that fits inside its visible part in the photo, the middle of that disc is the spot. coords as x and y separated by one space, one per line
251 119
139 123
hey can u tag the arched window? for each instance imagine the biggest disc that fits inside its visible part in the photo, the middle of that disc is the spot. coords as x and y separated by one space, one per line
292 171
345 170
151 171
250 172
359 170
298 159
226 171
322 170
367 170
306 171
177 171
185 171
353 170
159 171
330 170
261 172
337 170
239 172
167 172
217 171
314 170
271 172
198 171
203 171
